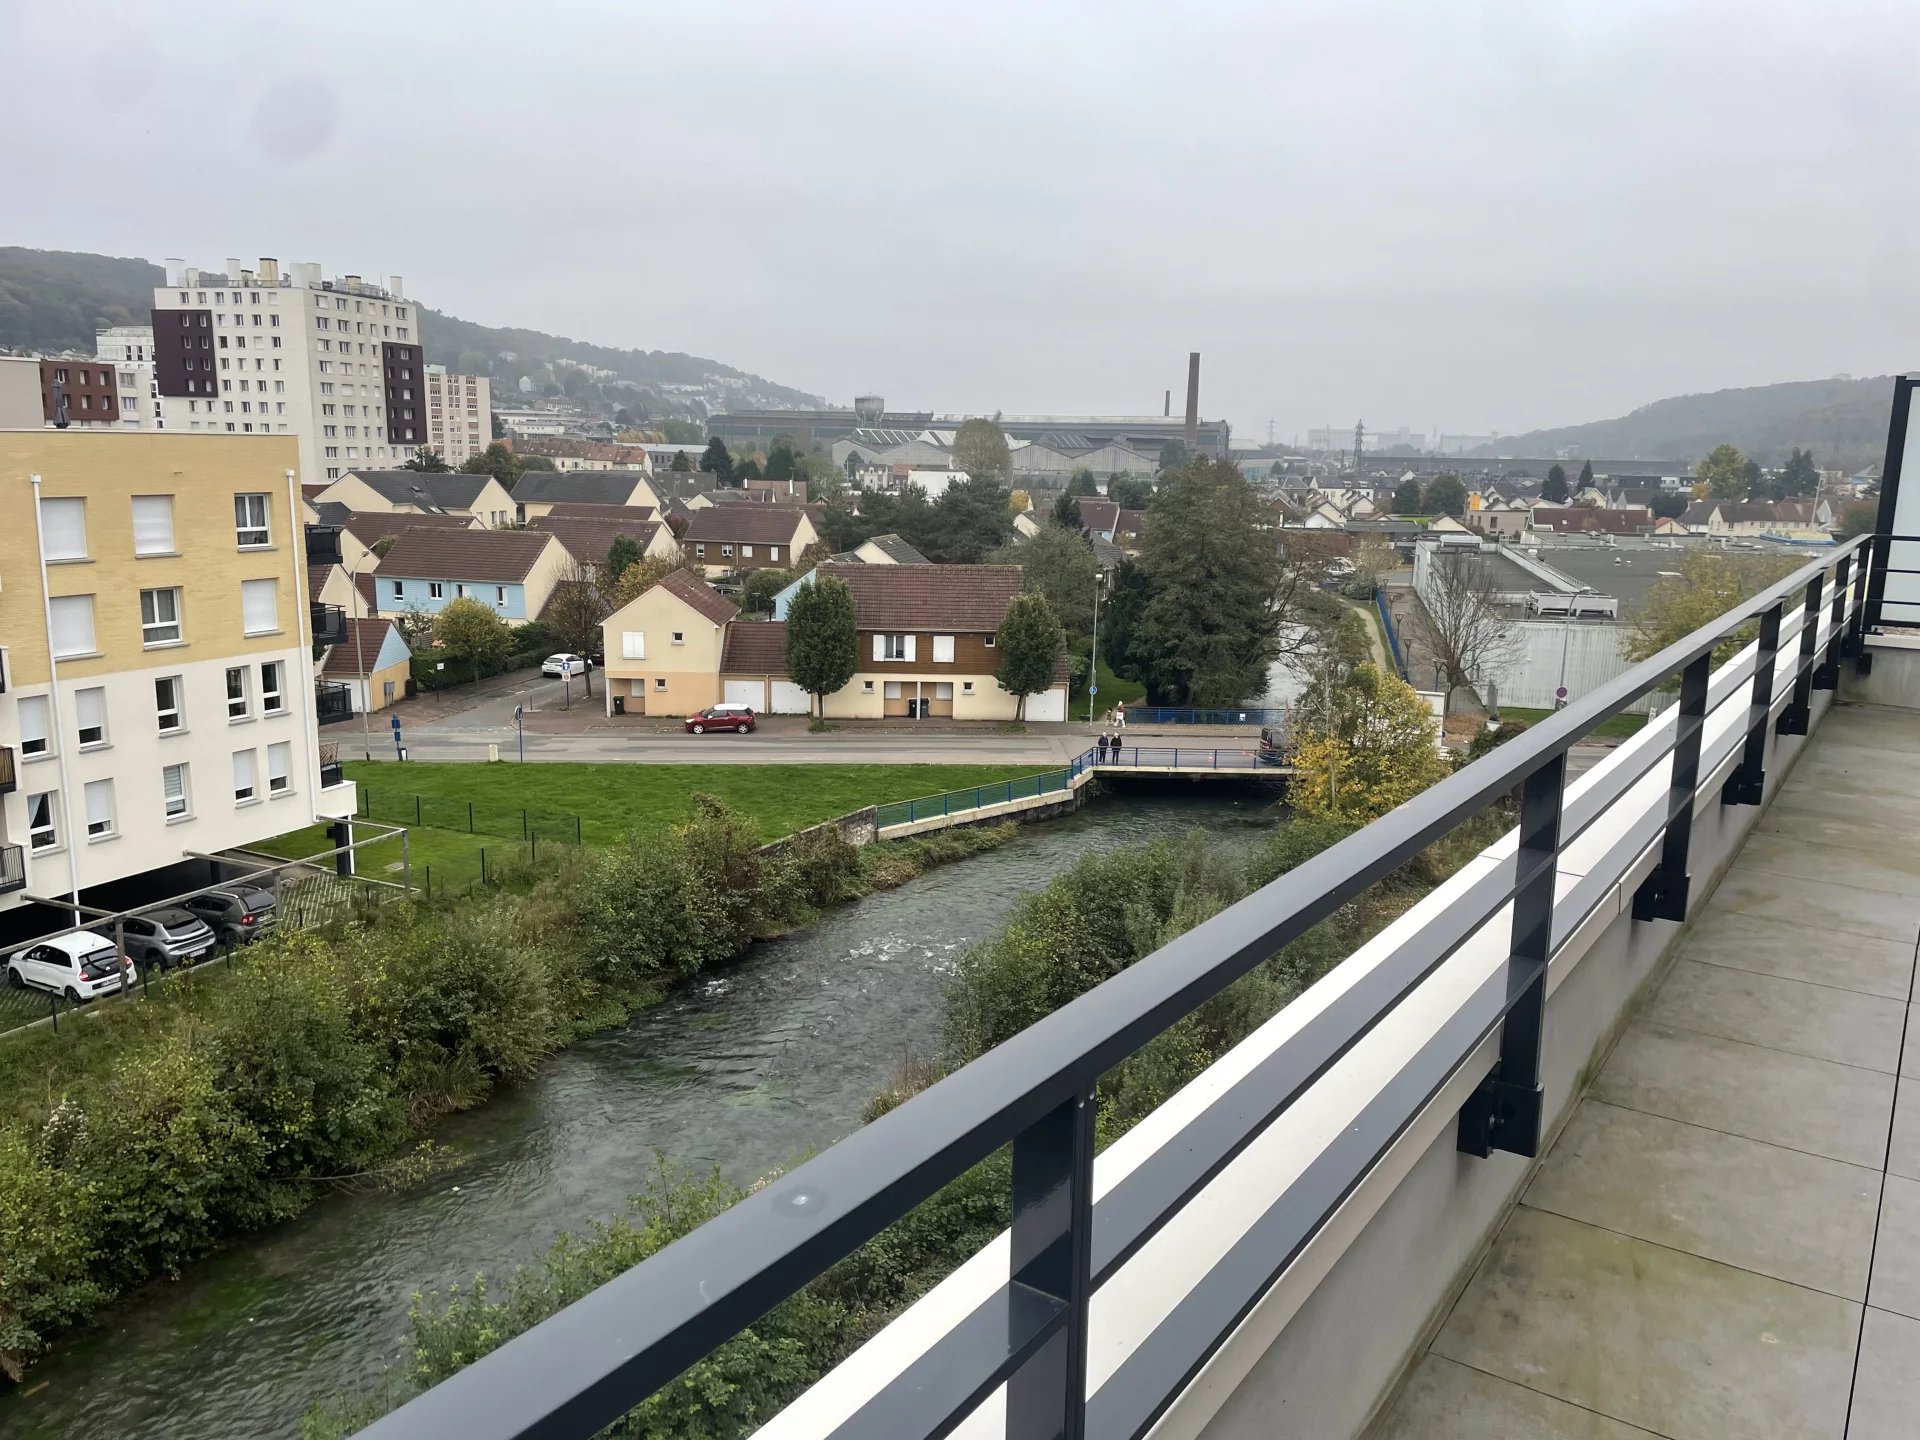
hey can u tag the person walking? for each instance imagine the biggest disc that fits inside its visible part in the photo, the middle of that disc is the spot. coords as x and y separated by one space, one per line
1120 716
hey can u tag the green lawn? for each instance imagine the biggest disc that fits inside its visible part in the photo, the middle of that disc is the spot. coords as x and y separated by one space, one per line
1618 727
452 856
1112 690
613 798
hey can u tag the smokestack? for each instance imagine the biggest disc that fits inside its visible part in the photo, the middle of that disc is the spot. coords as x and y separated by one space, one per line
1193 401
1166 406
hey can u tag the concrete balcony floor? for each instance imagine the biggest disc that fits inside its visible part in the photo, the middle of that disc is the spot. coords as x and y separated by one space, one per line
1724 1241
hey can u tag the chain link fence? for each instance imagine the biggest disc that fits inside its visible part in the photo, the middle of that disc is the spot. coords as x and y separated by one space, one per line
472 817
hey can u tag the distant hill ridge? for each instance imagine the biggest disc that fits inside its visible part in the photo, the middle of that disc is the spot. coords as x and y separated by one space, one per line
1843 421
55 299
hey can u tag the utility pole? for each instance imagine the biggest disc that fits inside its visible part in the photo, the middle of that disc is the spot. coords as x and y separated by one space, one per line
1093 675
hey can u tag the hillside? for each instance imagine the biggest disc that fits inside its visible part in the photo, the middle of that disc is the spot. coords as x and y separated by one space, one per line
1844 423
54 300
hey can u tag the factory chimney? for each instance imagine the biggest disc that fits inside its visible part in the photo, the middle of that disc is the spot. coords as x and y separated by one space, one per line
1193 401
1166 408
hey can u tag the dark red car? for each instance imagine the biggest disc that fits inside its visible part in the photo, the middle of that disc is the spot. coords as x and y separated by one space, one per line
737 718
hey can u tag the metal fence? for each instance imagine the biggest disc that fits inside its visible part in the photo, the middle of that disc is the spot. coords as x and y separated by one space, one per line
581 1369
1180 757
445 812
1381 609
1220 715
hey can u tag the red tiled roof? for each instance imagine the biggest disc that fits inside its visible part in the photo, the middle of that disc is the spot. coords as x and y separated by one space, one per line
744 524
343 661
589 539
317 577
706 600
487 555
364 582
950 599
581 509
367 526
755 647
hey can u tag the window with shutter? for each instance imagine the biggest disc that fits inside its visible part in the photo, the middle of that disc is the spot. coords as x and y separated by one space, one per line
242 775
92 706
912 646
34 739
99 808
943 649
153 525
63 523
173 784
279 768
633 645
259 606
72 625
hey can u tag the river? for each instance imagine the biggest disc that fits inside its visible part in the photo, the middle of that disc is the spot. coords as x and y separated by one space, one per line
748 1068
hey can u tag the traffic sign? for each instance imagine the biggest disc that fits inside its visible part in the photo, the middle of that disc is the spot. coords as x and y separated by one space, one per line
1560 692
1093 689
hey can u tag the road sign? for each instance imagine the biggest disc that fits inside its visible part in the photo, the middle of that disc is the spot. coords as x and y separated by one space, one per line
1093 689
1560 693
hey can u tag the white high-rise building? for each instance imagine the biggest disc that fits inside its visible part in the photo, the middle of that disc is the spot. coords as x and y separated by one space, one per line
459 414
130 349
335 363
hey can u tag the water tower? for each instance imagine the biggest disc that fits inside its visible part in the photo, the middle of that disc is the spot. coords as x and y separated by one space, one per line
870 408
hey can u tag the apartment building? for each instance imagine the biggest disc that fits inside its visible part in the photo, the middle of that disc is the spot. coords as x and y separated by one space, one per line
336 364
129 349
155 652
459 414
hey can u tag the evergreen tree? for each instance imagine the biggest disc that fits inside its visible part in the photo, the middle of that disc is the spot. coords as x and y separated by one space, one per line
970 519
1406 497
1130 492
1066 511
781 458
1445 496
1555 488
823 643
1798 477
1083 483
681 464
428 461
1586 475
717 462
1029 643
624 551
1724 473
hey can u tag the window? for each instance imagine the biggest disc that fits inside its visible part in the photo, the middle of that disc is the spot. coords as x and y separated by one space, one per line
237 707
92 706
99 808
173 786
459 589
243 776
63 525
399 589
990 640
679 637
272 696
700 551
726 550
250 520
153 525
633 644
259 606
166 703
72 625
436 590
773 553
966 687
41 834
160 616
33 726
893 647
943 649
659 684
746 552
499 594
279 768
867 686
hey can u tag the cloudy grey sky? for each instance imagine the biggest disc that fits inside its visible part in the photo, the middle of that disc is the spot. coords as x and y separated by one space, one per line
1475 216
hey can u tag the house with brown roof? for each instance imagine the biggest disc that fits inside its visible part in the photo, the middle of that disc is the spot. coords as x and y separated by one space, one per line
538 491
588 538
373 660
723 538
421 492
513 571
664 647
1591 520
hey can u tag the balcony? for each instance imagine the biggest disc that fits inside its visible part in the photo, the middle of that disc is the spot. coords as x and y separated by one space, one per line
1648 1047
323 545
329 624
9 781
332 773
332 702
13 869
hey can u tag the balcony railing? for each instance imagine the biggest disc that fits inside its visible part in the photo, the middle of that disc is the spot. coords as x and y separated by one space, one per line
323 545
8 780
329 624
13 869
331 702
332 773
583 1368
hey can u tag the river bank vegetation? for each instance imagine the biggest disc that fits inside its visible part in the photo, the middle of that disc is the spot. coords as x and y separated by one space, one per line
140 1137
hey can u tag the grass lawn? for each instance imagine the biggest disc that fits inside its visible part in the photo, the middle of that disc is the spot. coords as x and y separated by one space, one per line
1617 727
1113 690
613 798
452 855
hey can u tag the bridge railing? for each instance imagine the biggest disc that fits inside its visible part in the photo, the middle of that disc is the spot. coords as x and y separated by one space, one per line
583 1368
1218 715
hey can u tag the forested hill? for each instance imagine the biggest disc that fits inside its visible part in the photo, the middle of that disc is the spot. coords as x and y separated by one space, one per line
1844 423
54 300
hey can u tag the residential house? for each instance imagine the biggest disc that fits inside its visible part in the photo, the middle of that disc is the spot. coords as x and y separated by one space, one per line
724 538
1591 520
1105 519
888 550
663 648
1025 524
537 491
753 669
422 492
1499 519
589 538
373 659
513 571
330 584
570 453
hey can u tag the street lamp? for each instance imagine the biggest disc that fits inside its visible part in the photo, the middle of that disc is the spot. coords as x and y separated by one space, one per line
360 664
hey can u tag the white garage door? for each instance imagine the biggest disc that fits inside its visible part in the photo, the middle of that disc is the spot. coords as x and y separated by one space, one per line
1048 705
790 699
746 692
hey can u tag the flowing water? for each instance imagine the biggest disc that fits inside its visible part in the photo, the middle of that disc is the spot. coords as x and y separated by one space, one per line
748 1068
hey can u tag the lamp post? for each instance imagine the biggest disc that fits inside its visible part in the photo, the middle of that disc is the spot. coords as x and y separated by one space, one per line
1093 674
360 664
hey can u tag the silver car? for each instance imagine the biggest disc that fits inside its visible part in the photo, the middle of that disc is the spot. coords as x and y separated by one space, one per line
163 938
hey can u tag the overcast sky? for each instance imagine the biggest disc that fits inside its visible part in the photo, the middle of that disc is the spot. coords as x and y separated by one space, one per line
1469 217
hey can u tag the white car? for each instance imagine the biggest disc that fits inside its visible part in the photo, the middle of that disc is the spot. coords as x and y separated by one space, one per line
78 966
563 665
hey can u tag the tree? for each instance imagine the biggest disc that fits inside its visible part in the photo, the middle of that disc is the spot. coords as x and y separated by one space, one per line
496 460
1029 642
1707 586
823 643
756 595
1862 517
641 576
428 461
853 464
1058 563
980 449
1467 636
682 432
681 464
1218 594
1363 749
1066 511
624 551
717 462
1083 483
1406 497
1126 597
747 469
970 519
1724 473
1555 488
534 462
1755 478
1445 496
574 612
1586 475
466 630
781 458
1668 507
1797 477
1130 492
1173 456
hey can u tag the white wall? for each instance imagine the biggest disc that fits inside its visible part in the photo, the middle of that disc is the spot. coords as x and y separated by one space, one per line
1594 652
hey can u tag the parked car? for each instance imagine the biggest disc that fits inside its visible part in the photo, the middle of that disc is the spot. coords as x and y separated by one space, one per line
1276 747
78 966
563 665
164 938
738 718
237 915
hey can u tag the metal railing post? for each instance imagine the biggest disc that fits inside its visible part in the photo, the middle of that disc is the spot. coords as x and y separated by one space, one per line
1748 784
1505 1112
1828 676
1663 894
1795 718
1052 1250
1857 599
